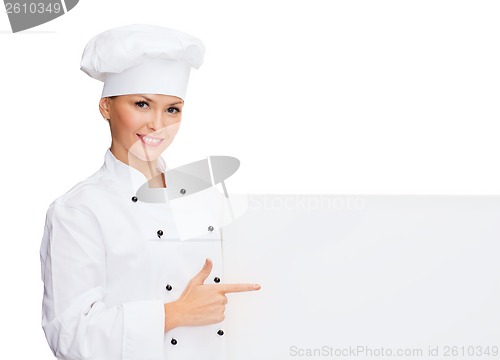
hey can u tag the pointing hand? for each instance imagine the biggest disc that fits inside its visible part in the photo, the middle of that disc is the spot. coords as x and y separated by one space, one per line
201 304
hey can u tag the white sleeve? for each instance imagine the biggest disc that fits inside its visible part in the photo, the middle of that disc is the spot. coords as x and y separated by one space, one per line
77 324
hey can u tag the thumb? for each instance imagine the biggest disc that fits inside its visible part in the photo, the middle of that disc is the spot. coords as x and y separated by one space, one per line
204 272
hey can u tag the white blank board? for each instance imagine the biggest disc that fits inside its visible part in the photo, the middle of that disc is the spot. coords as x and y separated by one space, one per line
375 273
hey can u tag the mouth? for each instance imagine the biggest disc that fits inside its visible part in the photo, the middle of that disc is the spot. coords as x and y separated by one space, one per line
149 140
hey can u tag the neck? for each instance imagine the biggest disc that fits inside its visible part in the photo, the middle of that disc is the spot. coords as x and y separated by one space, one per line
147 168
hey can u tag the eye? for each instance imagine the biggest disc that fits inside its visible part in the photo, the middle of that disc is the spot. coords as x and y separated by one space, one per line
173 110
142 104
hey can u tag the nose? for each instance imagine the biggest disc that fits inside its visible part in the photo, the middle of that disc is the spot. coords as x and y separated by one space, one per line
156 121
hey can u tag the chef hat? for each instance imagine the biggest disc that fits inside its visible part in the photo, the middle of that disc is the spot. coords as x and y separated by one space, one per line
142 59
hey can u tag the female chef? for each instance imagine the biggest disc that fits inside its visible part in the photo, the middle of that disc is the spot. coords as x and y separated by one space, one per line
120 280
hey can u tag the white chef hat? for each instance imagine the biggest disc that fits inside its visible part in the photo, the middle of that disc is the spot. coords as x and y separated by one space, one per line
142 59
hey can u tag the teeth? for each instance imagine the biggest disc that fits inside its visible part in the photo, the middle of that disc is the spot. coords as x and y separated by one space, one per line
150 140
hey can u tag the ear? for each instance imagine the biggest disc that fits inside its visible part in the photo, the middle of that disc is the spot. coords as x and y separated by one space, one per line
104 107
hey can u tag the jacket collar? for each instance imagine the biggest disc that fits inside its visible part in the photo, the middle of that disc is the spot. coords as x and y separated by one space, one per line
126 174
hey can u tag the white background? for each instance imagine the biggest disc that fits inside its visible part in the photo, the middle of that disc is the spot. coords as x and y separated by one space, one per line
337 97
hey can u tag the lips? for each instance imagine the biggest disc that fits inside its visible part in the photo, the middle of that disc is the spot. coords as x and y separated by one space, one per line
150 140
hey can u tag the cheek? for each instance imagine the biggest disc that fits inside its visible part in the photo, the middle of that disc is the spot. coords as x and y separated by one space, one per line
169 133
172 129
128 121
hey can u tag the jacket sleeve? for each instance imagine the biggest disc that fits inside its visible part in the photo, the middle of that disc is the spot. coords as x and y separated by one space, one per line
77 323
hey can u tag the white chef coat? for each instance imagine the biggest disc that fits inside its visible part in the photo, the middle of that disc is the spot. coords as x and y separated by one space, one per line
110 262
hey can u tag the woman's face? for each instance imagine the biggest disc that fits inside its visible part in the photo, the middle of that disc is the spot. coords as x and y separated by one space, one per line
142 125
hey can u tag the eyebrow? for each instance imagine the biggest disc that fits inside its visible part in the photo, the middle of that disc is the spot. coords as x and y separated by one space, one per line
171 104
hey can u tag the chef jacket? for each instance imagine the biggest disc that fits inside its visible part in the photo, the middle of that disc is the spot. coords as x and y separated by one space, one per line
110 262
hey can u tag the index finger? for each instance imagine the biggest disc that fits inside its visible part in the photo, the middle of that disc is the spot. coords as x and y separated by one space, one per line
233 288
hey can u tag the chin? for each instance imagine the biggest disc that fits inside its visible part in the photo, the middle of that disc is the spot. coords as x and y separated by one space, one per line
146 153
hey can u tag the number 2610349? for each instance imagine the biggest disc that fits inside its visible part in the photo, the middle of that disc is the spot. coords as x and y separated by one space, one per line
33 8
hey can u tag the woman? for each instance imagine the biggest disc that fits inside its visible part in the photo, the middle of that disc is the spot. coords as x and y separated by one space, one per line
119 282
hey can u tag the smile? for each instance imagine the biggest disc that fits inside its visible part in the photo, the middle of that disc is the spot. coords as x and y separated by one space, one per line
148 140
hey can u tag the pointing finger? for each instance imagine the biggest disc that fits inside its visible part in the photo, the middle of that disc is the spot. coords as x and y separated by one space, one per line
233 288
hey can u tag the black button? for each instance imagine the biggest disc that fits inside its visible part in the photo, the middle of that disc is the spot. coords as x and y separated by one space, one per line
168 287
159 233
217 280
173 341
183 191
220 332
210 228
134 198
